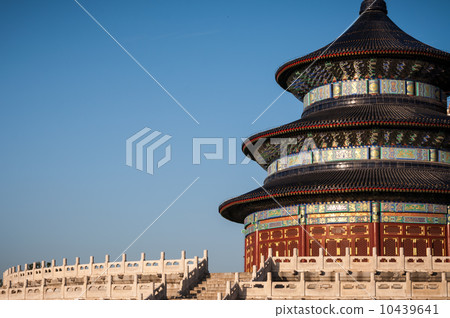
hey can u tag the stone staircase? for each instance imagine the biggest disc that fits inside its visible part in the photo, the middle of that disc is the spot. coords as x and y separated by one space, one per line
215 283
173 286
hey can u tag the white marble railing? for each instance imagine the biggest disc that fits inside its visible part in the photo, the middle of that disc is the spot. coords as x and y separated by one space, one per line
56 282
342 285
192 277
362 263
342 288
124 267
265 267
157 293
108 290
232 291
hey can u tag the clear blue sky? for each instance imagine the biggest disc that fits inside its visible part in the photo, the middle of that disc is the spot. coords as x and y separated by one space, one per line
70 97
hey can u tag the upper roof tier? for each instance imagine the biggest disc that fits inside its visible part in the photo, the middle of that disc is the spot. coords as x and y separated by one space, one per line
373 36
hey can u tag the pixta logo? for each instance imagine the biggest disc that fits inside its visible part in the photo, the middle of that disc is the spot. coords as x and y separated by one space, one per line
145 144
253 149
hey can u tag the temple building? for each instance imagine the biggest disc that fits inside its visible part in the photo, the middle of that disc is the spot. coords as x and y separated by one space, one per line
356 203
367 167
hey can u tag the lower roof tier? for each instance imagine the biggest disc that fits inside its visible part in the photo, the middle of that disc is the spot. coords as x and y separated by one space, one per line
344 183
340 141
364 116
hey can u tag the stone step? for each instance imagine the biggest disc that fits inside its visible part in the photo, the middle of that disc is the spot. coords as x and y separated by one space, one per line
212 284
211 292
199 291
206 286
215 283
210 288
208 298
215 290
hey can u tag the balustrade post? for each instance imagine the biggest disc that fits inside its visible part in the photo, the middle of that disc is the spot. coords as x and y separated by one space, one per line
162 259
228 288
270 253
295 255
196 265
402 259
63 287
444 284
236 277
429 261
91 264
77 263
108 286
374 258
124 259
408 285
337 282
205 257
8 287
321 259
135 285
85 284
64 265
186 272
261 264
107 264
269 284
24 291
52 267
347 259
42 287
25 268
182 286
373 285
142 262
302 284
253 272
152 289
183 260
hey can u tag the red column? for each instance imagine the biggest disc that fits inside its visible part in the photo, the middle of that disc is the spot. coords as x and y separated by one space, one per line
258 256
245 254
375 230
302 244
302 234
447 241
375 237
